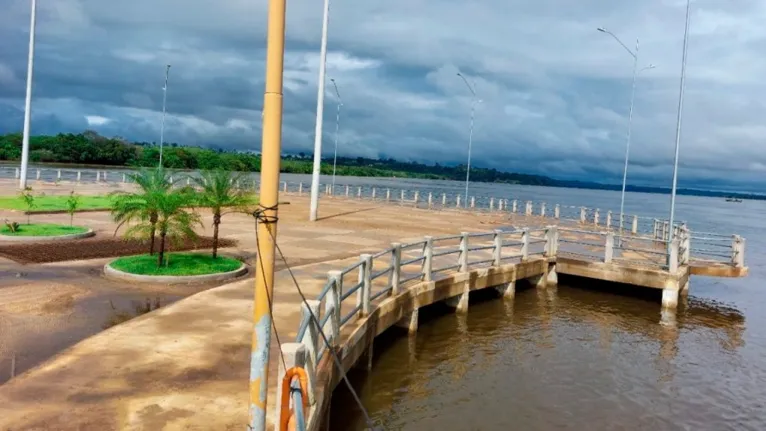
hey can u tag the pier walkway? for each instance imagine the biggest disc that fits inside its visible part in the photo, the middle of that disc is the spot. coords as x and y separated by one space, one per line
368 266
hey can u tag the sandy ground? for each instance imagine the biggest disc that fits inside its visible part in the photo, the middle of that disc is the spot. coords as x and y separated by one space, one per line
186 365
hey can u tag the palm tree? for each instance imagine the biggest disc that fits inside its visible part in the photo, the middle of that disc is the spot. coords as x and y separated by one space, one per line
173 221
218 191
143 205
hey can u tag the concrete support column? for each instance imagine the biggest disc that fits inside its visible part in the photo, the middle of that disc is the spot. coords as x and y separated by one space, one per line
294 355
507 290
634 227
460 302
409 321
670 298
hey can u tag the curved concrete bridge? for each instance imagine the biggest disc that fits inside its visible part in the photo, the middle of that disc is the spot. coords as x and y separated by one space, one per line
186 365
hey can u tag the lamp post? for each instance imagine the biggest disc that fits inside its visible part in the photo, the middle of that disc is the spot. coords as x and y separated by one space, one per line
630 118
164 102
314 206
337 125
678 125
28 99
470 136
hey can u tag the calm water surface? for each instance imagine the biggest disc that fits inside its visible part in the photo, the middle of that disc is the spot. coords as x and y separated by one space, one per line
584 357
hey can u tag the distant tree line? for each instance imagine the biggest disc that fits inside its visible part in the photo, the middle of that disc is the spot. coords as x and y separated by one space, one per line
90 148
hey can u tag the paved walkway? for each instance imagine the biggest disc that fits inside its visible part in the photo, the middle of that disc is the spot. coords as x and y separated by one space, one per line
186 365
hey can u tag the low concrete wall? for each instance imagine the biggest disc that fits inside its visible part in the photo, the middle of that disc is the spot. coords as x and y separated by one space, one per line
111 272
8 238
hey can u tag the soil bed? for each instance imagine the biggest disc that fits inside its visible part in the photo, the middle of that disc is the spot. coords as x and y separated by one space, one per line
93 248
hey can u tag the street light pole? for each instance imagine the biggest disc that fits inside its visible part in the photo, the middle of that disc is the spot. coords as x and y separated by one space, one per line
470 137
28 99
164 102
337 125
630 119
678 125
314 206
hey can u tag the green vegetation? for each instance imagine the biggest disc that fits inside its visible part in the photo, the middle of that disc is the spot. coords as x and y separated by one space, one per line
42 230
176 264
55 203
29 200
91 148
218 192
72 203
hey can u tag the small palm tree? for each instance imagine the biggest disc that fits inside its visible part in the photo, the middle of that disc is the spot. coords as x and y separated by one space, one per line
219 192
143 205
173 222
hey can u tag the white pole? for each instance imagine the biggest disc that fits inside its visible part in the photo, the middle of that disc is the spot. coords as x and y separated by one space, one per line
337 125
28 100
627 144
164 101
320 113
470 136
678 125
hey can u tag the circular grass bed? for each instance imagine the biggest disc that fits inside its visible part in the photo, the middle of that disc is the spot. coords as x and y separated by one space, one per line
43 230
176 264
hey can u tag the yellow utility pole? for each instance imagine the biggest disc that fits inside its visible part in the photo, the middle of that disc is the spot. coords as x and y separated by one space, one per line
267 218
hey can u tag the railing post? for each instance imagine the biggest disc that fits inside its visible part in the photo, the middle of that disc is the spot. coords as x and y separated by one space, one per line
457 202
491 204
359 192
430 200
444 200
608 219
79 176
513 206
595 217
542 209
365 279
524 244
332 305
401 197
687 244
18 173
499 204
300 189
582 215
58 175
311 341
609 247
38 175
284 186
396 267
428 257
634 227
293 355
124 178
528 211
666 230
497 252
557 212
388 195
551 241
347 189
98 175
673 261
463 256
417 198
738 251
473 201
374 190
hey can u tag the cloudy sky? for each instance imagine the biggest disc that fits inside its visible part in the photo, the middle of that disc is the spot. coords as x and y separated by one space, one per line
555 92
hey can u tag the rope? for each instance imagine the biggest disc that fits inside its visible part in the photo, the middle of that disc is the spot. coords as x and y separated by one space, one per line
260 216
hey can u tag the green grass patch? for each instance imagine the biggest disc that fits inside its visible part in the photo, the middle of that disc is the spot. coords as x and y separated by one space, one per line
55 203
176 264
35 229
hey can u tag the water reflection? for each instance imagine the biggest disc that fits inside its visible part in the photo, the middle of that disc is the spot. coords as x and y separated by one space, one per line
555 357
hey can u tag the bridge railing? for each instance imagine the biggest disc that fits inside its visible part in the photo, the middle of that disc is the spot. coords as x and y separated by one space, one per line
351 292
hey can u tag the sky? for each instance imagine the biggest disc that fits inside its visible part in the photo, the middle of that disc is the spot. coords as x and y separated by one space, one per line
555 92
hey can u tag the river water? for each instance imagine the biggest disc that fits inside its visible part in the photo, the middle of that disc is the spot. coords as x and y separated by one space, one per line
582 356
